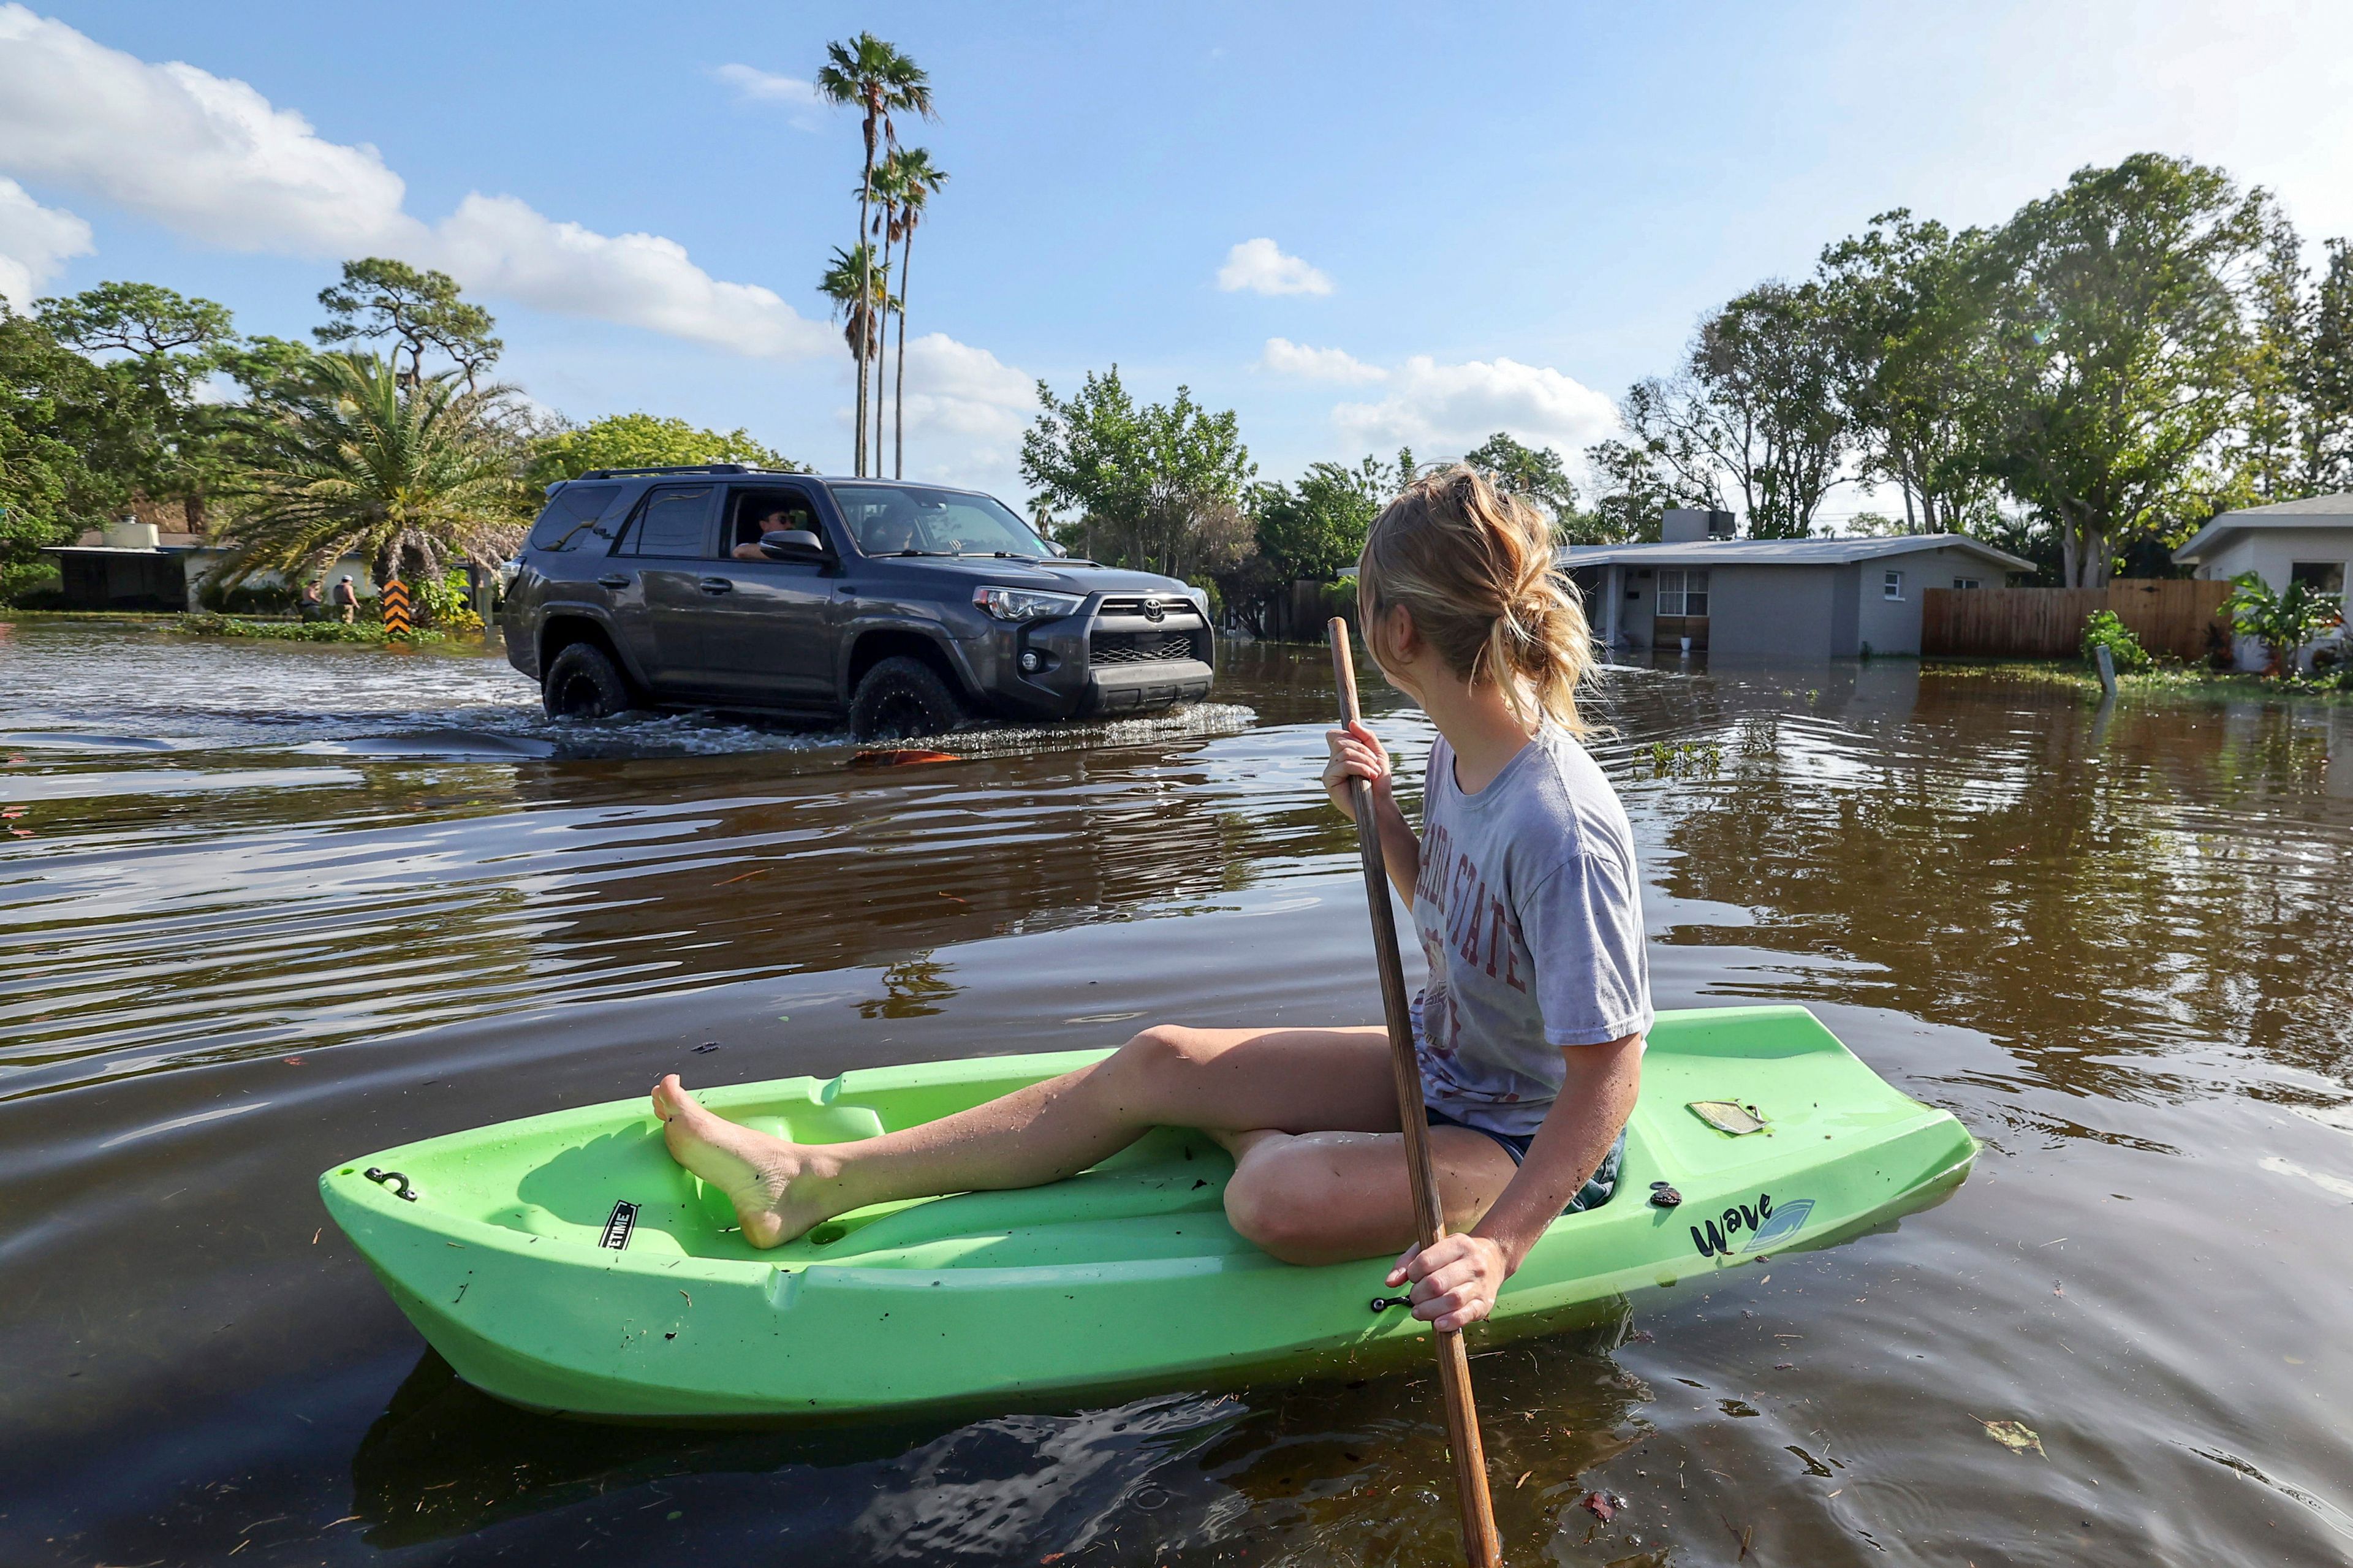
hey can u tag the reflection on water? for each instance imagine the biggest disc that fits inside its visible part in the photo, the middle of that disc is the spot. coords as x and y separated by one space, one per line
272 907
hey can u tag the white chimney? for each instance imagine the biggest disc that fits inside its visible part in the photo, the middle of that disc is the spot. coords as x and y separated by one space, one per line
129 533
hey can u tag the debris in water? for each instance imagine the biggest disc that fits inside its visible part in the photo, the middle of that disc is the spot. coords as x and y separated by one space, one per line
900 759
1603 1506
2014 1435
744 878
14 811
1523 1480
706 1045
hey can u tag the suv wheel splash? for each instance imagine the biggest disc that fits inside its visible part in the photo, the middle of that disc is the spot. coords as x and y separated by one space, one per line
903 697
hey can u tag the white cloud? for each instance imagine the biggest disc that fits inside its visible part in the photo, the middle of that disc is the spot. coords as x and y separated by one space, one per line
502 245
1284 357
967 410
1260 266
1443 409
205 156
35 242
213 159
754 85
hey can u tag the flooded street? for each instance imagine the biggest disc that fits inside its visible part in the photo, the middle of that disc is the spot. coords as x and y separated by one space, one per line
263 908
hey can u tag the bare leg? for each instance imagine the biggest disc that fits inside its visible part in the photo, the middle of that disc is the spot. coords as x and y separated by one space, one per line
1229 1080
1327 1197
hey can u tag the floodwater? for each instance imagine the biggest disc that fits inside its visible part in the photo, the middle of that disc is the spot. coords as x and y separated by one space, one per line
264 907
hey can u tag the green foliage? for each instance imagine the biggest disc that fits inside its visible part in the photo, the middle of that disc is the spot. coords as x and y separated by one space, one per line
54 426
356 461
2107 629
1634 489
1158 487
2285 622
644 440
859 309
1907 302
1317 527
446 602
2117 348
1539 474
382 299
364 631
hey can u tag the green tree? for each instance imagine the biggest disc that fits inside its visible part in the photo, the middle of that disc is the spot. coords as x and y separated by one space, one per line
1908 311
53 418
153 350
1317 528
358 459
1767 364
380 299
1541 475
2324 374
1149 484
2119 349
644 441
1632 488
880 81
912 180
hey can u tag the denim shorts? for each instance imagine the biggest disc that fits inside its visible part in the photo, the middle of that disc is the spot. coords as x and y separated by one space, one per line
1597 1186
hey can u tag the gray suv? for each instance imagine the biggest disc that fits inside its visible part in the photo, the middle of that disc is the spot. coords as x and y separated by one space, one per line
909 609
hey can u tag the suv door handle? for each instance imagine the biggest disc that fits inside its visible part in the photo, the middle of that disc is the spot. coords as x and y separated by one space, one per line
613 580
716 585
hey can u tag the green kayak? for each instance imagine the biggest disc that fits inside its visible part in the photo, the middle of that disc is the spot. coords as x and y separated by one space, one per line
564 1262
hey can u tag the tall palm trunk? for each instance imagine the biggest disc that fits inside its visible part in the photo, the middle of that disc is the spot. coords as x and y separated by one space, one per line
865 287
906 256
882 332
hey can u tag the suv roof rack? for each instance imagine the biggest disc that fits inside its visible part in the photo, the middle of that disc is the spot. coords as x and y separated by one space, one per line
671 469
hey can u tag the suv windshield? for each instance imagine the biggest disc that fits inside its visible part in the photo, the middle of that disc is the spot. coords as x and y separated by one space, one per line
889 518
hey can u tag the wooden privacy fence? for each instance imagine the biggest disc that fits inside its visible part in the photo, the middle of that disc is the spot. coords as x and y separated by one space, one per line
2170 615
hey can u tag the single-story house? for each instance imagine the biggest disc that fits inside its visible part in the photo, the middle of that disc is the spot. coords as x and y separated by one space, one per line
1783 598
134 565
2308 541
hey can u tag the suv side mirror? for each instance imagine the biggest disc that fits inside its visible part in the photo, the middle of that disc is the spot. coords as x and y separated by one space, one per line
792 544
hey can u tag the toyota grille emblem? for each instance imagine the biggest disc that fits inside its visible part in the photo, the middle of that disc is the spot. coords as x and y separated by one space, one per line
1151 610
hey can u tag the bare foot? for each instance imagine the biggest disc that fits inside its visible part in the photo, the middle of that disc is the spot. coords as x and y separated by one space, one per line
776 1187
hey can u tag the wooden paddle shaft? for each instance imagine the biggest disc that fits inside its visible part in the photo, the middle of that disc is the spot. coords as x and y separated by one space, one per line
1480 1546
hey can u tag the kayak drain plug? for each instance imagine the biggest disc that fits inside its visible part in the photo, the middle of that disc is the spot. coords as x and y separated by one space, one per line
1664 1196
406 1189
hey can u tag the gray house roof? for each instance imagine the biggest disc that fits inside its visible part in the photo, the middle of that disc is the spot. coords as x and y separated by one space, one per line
1784 552
2312 512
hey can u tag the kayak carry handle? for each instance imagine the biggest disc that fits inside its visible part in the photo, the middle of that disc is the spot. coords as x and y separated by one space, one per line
1383 1303
406 1189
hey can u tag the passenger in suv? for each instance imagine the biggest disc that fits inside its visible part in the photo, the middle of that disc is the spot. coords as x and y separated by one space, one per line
909 609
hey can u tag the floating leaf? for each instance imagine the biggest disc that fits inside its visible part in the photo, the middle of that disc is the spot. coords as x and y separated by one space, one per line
904 757
2014 1435
1726 1116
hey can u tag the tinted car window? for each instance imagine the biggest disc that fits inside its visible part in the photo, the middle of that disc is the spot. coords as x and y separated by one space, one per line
571 513
887 519
674 523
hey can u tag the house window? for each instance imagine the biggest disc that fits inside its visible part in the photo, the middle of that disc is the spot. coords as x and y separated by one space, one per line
1683 593
1891 587
1966 583
2322 576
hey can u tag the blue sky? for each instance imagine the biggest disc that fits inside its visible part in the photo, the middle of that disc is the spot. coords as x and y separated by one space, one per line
1491 217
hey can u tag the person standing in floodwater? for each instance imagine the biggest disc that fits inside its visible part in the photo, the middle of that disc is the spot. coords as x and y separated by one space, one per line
1529 1034
310 608
347 600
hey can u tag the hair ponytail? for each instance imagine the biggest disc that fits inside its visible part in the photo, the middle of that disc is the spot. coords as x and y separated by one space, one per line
1475 567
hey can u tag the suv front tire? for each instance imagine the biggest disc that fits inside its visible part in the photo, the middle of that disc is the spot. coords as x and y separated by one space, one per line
902 697
583 682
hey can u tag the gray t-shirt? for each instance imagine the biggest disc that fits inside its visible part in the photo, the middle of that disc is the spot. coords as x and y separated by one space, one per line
1530 914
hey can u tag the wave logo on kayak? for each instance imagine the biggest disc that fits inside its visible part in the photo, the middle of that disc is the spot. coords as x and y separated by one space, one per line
1765 1223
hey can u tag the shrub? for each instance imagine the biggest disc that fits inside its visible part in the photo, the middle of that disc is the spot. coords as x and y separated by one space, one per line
2107 629
2283 622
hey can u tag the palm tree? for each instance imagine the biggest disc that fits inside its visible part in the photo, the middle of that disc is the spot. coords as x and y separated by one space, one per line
880 81
351 459
887 232
860 300
912 179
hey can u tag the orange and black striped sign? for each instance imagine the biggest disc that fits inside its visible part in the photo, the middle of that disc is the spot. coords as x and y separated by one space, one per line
396 606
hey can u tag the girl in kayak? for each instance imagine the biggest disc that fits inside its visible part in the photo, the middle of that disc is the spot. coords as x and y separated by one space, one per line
1529 1031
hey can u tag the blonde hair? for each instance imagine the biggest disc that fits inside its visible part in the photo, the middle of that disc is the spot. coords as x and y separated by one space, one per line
1474 565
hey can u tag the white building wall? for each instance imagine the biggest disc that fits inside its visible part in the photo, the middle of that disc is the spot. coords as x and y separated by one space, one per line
2269 553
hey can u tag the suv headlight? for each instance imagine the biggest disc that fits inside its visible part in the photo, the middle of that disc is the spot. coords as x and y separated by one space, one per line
1025 603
